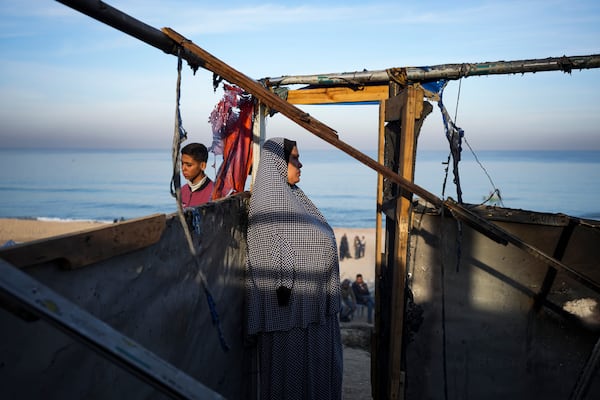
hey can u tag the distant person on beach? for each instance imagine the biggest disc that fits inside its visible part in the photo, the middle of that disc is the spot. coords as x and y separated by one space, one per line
363 245
344 248
348 301
199 188
357 247
292 283
363 296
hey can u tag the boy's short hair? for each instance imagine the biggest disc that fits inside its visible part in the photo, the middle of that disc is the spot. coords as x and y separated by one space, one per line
197 151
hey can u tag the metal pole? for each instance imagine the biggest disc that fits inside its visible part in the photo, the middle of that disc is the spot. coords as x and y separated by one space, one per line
444 71
131 26
154 37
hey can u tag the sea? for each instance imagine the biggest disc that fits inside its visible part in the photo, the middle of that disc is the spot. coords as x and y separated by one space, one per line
109 185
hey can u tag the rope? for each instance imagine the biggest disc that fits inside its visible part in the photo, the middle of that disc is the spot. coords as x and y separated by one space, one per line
496 191
457 99
179 135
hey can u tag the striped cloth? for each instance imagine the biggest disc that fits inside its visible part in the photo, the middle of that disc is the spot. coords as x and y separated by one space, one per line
291 244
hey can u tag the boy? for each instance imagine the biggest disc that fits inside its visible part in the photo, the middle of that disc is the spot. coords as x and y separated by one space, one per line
199 188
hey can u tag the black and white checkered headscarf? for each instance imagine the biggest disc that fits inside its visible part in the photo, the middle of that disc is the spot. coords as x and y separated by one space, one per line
291 244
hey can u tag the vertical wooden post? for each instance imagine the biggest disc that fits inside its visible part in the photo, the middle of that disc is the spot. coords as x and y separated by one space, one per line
376 338
410 107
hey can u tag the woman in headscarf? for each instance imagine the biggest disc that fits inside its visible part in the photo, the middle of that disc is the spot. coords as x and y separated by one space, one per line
293 284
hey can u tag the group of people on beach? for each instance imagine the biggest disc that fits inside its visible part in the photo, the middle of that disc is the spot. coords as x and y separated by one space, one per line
293 290
354 294
359 247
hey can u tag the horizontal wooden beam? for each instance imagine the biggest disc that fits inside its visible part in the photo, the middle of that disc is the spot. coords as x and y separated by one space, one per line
75 250
331 95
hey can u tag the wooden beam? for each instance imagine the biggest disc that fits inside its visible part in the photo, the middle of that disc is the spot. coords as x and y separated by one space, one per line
376 340
75 250
410 107
330 95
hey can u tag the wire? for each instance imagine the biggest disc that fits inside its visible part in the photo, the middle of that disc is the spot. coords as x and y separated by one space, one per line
496 191
457 98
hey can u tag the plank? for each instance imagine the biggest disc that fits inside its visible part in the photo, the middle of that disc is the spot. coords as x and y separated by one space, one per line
333 95
75 250
410 106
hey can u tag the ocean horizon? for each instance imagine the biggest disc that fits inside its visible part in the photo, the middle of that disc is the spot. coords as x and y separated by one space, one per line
108 185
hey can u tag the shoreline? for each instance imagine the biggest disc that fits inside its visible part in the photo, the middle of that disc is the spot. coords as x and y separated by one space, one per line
25 230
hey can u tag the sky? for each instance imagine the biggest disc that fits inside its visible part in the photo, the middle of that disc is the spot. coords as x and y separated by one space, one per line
69 81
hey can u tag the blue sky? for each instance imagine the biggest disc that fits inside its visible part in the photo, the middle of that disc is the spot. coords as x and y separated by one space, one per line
67 80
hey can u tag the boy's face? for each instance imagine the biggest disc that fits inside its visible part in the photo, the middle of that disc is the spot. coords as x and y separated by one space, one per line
192 170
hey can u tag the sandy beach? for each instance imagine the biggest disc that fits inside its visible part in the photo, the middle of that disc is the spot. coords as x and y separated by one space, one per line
25 230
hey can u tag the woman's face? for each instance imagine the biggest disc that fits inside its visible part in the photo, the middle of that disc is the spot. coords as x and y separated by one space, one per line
294 166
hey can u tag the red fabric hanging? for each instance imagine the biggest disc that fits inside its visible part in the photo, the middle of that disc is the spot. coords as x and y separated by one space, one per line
231 121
